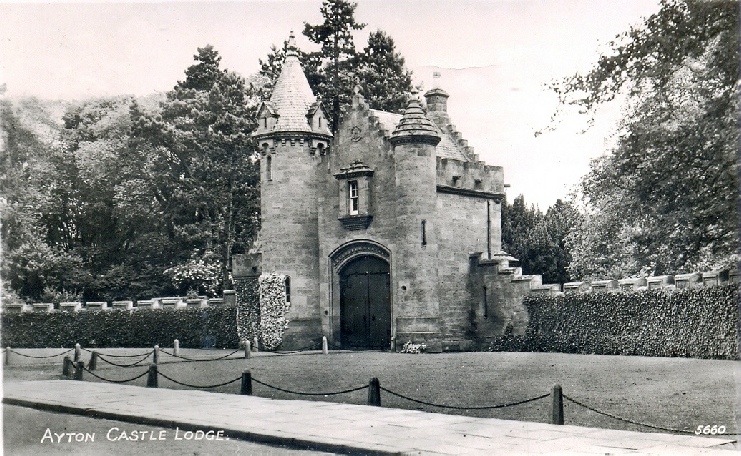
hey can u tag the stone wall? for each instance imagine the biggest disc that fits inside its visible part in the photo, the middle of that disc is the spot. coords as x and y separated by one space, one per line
288 236
169 302
464 230
665 282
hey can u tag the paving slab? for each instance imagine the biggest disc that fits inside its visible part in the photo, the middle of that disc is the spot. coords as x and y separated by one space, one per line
344 428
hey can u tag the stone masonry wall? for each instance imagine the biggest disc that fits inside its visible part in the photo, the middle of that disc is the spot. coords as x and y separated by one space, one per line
358 139
463 227
288 236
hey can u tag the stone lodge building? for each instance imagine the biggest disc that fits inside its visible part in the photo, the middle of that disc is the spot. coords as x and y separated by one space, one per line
388 231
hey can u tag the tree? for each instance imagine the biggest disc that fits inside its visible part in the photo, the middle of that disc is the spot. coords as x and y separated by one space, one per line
335 70
665 199
381 69
37 205
538 241
200 162
338 50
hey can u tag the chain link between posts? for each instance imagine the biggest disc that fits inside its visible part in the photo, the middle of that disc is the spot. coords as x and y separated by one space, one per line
115 381
300 393
41 357
626 420
454 407
145 356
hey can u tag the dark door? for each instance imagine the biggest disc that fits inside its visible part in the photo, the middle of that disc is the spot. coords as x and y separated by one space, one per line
365 305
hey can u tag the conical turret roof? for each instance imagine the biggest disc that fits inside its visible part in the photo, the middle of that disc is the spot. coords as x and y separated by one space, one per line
292 97
414 126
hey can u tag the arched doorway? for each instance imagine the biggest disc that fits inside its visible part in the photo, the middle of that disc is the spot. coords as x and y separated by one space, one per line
365 304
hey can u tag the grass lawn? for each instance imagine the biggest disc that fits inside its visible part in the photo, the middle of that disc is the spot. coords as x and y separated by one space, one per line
677 393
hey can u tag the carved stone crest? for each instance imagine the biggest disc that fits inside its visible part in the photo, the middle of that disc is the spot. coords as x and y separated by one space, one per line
356 133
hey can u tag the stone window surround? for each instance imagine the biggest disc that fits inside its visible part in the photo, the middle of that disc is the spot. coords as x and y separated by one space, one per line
355 199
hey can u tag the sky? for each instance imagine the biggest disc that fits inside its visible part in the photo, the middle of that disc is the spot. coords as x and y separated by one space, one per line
495 57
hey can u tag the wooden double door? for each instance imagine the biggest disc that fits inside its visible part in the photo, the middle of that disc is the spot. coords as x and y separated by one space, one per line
365 304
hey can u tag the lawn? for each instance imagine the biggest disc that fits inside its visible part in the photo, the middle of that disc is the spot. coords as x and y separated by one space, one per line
677 393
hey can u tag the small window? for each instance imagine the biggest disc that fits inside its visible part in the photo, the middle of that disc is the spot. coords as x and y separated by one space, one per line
352 188
288 289
269 167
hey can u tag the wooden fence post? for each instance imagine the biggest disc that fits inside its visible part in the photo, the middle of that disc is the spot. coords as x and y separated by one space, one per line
7 355
66 362
93 364
325 345
156 355
557 405
78 352
247 349
374 392
152 376
79 367
246 383
176 347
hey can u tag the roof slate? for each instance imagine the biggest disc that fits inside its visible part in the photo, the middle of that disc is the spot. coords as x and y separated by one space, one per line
292 98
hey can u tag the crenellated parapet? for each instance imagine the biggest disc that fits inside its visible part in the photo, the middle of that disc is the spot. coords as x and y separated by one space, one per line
664 282
169 302
470 178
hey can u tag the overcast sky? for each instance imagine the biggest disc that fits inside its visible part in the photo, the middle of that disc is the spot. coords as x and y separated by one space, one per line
495 57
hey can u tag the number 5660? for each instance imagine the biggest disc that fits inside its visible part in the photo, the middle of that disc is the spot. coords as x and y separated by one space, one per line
712 430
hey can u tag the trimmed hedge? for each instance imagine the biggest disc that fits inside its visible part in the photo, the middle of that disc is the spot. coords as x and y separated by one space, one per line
697 323
194 328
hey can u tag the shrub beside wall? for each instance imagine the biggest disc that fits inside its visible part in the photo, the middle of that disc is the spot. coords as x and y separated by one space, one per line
273 310
194 328
248 307
697 323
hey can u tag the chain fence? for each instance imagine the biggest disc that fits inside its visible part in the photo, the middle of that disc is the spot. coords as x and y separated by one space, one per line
626 420
199 386
41 357
454 407
115 381
184 358
111 355
301 393
144 356
135 364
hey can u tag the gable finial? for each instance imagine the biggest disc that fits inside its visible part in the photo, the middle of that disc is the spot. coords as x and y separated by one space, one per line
291 48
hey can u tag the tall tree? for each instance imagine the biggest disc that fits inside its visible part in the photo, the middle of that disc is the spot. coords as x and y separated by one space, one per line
670 188
382 72
338 50
201 160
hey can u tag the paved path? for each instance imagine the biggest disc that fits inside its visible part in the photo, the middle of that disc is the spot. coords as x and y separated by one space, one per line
356 429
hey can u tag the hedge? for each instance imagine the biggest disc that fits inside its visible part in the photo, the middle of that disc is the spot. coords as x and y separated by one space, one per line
194 328
697 323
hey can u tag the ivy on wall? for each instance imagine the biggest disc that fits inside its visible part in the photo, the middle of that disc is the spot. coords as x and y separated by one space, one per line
273 310
697 323
248 307
194 328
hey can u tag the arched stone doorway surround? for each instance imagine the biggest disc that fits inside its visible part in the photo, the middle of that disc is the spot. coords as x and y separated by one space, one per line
347 263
